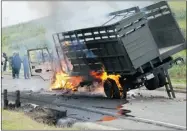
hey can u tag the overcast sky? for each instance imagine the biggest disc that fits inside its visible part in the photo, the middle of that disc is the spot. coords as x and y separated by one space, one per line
14 12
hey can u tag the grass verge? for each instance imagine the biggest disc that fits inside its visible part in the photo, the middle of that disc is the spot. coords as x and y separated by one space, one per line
12 120
178 74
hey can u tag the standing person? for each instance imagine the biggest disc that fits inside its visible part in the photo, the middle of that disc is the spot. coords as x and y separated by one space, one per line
16 65
12 61
1 69
5 63
2 63
26 67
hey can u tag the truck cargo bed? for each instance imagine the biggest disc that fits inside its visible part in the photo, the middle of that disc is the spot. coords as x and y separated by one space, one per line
125 46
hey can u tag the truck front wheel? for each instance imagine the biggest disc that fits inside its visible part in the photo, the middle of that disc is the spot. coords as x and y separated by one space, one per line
111 89
153 83
108 89
115 92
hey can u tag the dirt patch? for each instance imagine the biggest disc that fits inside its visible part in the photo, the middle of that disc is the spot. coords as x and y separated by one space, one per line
42 115
48 116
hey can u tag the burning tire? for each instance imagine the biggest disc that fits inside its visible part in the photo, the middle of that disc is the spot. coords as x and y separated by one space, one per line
115 92
108 89
111 89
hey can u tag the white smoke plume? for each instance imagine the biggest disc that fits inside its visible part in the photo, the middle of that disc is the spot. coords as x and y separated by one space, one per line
69 15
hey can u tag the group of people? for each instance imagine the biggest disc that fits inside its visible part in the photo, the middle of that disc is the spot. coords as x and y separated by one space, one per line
15 65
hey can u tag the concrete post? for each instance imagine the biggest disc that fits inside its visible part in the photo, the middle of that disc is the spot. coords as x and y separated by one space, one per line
17 102
5 99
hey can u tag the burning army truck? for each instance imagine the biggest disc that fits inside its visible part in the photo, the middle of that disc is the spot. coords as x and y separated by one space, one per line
133 51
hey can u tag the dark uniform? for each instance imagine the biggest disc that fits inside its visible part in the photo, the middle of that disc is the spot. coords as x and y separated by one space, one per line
16 65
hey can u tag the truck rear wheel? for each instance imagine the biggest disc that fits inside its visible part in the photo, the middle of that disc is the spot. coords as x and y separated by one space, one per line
115 92
111 89
162 79
153 83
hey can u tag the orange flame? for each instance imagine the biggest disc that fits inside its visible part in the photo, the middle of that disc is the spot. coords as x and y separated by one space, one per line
103 76
62 80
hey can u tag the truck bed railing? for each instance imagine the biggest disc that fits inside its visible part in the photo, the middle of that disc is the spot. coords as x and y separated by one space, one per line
88 34
131 24
156 10
133 9
122 14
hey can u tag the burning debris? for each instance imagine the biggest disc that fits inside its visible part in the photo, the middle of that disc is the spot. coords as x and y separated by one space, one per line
61 80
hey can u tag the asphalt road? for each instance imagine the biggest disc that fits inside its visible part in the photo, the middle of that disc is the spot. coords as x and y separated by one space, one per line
151 105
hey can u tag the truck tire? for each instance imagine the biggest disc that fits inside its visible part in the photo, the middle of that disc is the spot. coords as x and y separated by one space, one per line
111 89
162 79
108 88
115 92
153 83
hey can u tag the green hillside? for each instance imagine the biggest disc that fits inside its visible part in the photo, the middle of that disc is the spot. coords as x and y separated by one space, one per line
178 72
14 36
179 8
